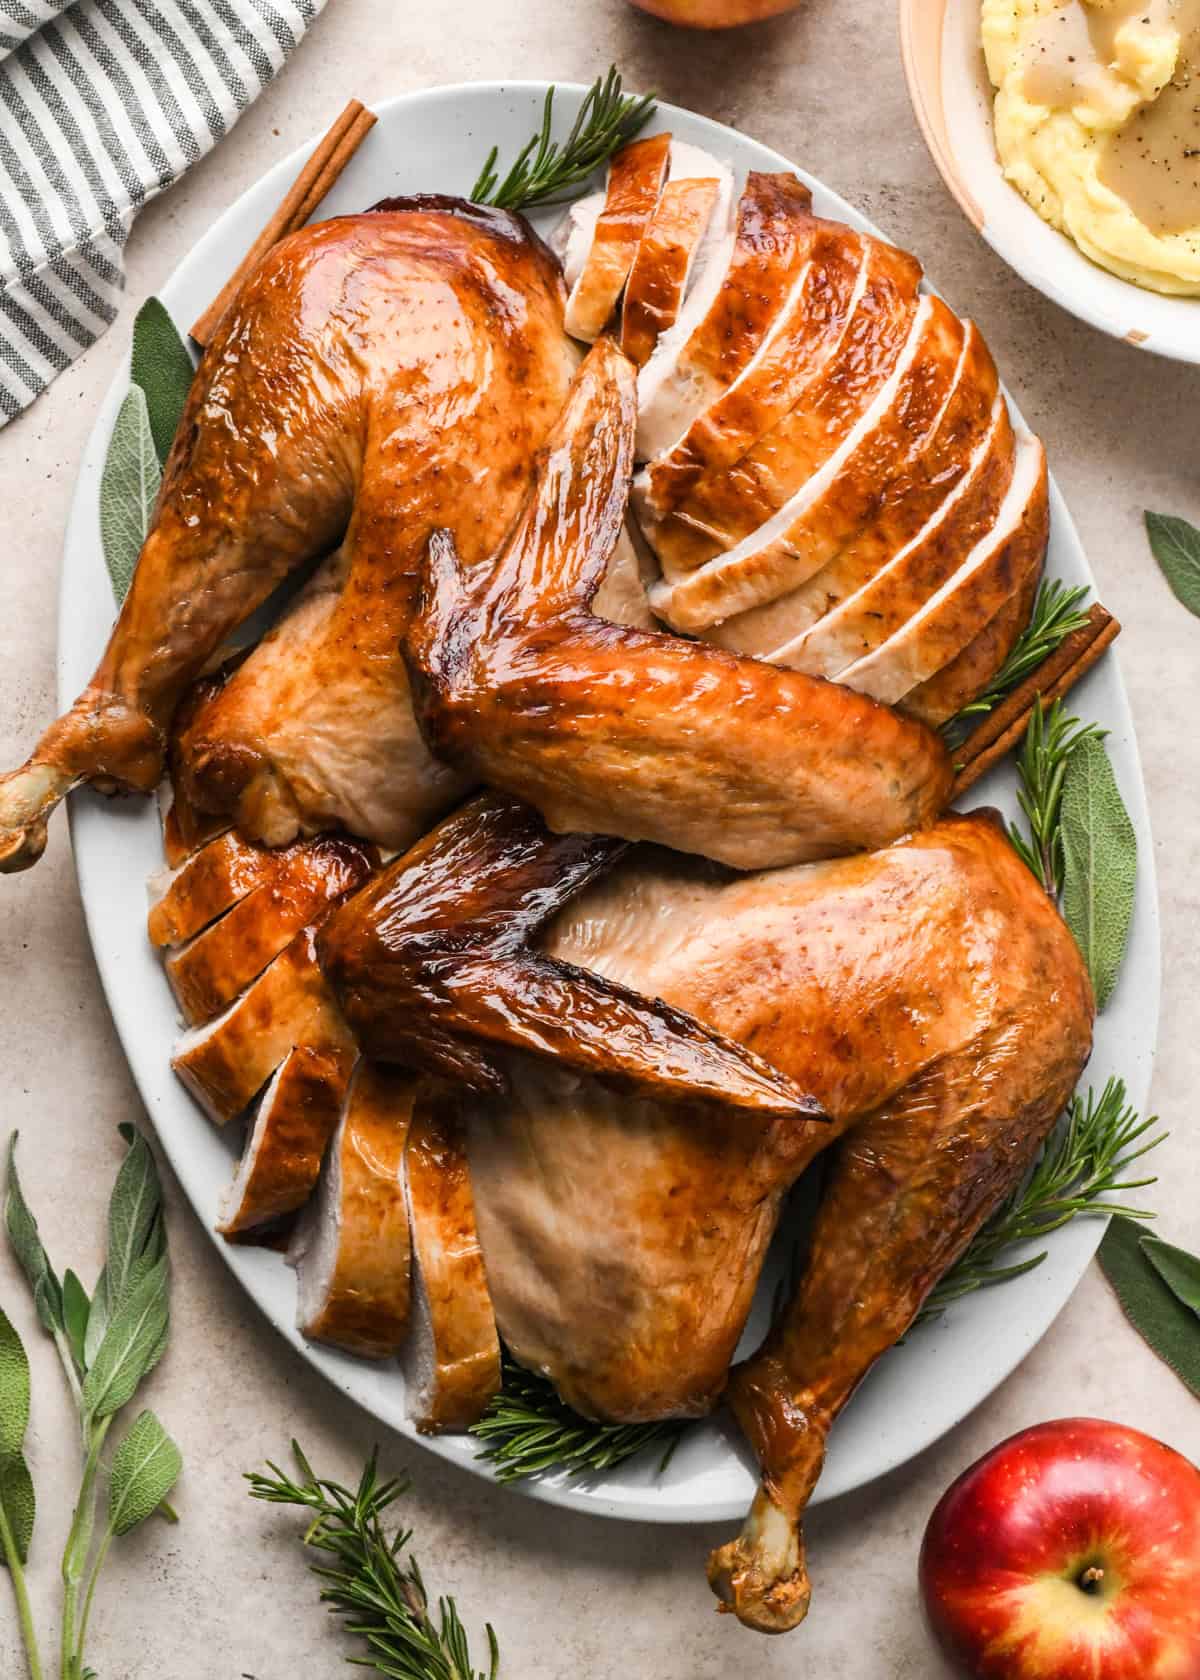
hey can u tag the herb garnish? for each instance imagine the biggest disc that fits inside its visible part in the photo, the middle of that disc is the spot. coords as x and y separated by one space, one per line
108 1345
1055 616
1081 1168
380 1595
1049 741
545 170
1081 843
160 375
528 1429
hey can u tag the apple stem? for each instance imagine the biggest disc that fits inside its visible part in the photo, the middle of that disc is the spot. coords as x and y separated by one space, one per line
1092 1579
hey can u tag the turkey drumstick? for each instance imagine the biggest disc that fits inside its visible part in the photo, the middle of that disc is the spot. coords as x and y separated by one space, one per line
380 375
614 730
909 1188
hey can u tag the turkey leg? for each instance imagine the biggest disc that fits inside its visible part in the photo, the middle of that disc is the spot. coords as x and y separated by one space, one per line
380 375
909 1188
613 730
259 480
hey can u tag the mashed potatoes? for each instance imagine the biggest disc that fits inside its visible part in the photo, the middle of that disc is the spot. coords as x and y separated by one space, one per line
1098 125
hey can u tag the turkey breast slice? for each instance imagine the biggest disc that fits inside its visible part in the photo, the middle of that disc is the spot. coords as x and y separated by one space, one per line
732 505
767 564
846 499
909 499
225 1063
452 1357
635 180
209 971
882 606
968 675
352 1250
740 283
187 899
804 334
293 1121
998 565
662 267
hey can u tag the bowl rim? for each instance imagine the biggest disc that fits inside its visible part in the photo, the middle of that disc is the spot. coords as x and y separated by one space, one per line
922 28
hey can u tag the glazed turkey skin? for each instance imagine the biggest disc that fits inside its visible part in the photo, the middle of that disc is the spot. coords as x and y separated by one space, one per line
624 1238
380 375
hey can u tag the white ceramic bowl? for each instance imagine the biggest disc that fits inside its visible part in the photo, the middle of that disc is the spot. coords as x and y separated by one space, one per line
952 98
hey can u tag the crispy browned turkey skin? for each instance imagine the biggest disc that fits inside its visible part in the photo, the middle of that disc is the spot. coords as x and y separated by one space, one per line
613 730
928 996
381 375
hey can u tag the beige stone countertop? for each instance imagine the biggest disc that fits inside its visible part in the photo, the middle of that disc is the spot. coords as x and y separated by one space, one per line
225 1594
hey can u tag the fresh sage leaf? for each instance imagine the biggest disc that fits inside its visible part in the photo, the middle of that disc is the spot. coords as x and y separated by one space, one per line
132 1345
144 1470
134 1210
14 1389
162 367
128 486
1175 544
1099 852
76 1308
1153 1309
1178 1269
97 1322
20 1505
26 1244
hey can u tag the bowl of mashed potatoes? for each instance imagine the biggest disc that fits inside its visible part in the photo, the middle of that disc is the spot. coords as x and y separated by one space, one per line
1069 132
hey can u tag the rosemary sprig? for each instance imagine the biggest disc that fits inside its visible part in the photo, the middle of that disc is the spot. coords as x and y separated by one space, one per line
545 170
380 1595
1055 616
1081 1168
1049 741
528 1430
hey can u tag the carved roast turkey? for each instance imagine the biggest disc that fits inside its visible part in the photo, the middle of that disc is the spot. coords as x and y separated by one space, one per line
831 477
546 1078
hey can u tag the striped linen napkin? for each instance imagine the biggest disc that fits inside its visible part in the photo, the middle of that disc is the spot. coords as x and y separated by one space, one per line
103 103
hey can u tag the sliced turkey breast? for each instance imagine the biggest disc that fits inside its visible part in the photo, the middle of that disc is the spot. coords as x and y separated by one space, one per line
293 1122
744 507
967 676
842 494
210 970
998 565
185 900
887 602
661 269
635 180
452 1356
228 1061
736 294
910 498
804 334
352 1251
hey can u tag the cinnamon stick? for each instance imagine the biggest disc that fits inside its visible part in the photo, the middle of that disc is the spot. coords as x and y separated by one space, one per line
1003 729
314 181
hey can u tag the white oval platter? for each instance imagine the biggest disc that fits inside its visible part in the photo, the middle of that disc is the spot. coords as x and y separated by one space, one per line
435 141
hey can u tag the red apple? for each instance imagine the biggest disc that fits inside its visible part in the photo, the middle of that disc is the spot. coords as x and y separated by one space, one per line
714 14
1070 1552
